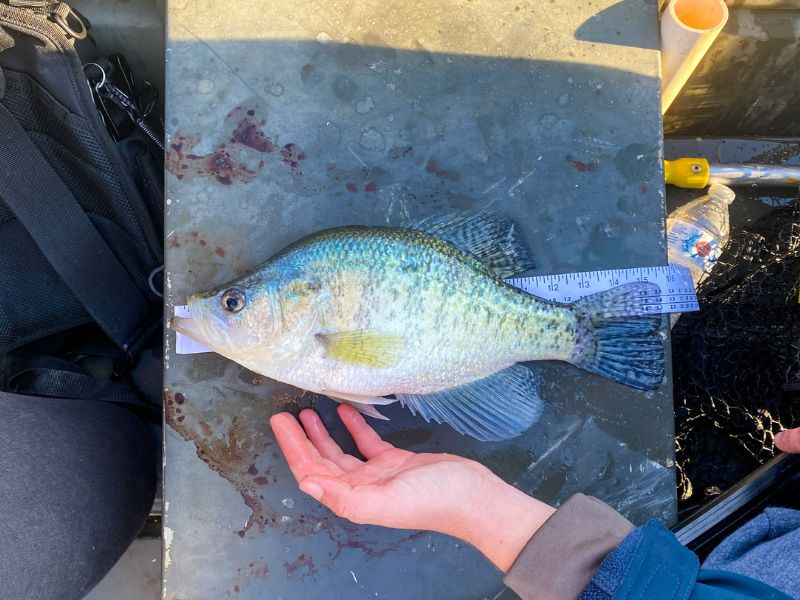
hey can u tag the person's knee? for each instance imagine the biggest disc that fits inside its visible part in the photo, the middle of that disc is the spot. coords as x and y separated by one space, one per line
79 480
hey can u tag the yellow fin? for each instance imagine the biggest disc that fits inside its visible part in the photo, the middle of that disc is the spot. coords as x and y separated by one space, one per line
365 347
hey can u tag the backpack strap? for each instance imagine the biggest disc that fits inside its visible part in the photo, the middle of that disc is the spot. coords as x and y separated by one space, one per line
61 229
57 378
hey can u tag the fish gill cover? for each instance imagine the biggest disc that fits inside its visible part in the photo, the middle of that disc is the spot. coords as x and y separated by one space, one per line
737 361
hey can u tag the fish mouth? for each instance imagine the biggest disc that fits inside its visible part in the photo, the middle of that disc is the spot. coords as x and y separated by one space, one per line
188 327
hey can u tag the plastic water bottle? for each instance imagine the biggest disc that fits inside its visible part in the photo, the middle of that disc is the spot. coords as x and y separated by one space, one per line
697 233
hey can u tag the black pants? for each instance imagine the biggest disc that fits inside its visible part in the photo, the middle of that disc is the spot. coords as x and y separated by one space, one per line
77 480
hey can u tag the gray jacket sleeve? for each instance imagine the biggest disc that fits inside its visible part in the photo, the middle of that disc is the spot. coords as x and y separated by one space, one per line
559 560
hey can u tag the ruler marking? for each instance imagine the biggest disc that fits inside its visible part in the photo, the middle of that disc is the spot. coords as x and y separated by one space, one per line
676 293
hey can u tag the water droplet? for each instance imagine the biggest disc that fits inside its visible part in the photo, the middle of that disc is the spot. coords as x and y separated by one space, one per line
366 104
563 99
205 86
570 80
372 139
548 121
323 38
274 88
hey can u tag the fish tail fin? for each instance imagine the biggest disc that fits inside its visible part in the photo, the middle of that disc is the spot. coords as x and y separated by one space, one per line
619 337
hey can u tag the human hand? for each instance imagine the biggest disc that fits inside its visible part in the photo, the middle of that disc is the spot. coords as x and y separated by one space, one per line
401 489
789 440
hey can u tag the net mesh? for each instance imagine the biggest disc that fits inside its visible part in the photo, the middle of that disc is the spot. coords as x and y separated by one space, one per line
737 361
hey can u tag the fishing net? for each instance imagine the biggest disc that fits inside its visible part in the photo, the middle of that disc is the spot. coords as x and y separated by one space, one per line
737 361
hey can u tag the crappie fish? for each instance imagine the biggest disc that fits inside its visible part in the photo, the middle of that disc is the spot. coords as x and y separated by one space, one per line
421 315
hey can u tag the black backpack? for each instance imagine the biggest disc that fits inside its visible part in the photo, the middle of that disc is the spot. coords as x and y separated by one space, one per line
81 240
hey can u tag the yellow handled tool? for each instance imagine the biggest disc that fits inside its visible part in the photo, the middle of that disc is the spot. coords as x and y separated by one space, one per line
698 173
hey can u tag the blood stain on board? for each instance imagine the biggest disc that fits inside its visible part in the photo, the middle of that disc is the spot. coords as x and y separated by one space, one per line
432 166
292 155
352 187
580 166
300 568
222 167
236 443
225 165
306 72
229 450
244 575
231 160
370 186
248 134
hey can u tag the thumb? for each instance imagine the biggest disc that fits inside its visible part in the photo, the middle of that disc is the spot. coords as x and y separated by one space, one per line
332 492
789 440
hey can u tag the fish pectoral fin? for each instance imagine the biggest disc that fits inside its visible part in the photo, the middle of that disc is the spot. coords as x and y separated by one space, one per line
363 347
498 407
488 236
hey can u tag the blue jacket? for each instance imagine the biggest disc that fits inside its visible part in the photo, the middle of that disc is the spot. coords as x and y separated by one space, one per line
589 551
650 563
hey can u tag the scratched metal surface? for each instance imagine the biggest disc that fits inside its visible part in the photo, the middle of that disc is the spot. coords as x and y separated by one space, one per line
284 119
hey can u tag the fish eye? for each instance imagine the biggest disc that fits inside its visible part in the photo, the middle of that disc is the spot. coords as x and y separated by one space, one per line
233 301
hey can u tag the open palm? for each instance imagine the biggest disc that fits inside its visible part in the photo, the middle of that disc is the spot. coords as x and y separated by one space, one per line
393 487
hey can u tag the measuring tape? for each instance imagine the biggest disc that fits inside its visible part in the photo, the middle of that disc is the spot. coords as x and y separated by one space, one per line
675 282
677 292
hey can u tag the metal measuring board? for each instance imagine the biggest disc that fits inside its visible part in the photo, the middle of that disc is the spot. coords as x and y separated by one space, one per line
284 119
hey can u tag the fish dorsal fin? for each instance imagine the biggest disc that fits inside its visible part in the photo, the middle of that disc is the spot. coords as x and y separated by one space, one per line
363 347
498 407
488 236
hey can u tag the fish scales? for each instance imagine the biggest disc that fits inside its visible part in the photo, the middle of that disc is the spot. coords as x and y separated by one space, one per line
458 319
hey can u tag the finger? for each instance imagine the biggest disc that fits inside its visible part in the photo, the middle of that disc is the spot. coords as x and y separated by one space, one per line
360 504
789 440
323 442
369 443
300 453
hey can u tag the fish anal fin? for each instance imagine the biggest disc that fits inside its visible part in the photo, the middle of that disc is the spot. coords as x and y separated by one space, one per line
497 407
